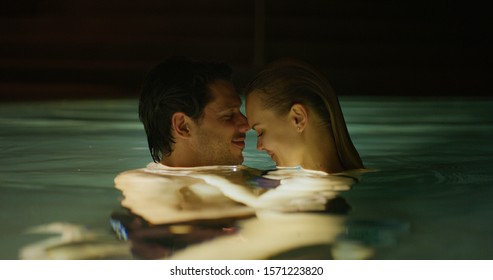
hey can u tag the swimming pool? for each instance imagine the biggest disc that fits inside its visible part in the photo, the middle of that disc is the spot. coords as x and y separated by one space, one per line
429 196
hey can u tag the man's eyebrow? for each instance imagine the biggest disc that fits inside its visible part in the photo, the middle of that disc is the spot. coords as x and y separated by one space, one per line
231 106
226 110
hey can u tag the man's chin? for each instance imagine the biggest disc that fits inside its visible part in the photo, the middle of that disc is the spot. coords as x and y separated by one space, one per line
234 159
238 159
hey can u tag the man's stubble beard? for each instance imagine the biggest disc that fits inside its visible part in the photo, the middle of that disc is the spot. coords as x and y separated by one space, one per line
214 152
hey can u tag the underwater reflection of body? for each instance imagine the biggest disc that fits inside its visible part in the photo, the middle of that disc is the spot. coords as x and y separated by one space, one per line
148 241
66 241
233 213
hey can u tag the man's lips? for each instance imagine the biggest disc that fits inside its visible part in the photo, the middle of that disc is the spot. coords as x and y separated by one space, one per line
239 142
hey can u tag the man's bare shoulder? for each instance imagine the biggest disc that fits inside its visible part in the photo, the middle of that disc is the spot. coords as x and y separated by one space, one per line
153 175
162 195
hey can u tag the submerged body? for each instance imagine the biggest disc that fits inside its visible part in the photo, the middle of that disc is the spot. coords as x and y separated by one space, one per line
202 212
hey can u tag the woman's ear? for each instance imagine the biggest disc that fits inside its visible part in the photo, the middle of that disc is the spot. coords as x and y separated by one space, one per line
180 124
299 116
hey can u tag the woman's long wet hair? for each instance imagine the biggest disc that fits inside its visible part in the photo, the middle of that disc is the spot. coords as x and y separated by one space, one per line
284 83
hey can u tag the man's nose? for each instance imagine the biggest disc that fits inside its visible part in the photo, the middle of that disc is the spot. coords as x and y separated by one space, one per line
243 126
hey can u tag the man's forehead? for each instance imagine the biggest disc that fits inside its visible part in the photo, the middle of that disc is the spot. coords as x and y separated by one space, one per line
224 95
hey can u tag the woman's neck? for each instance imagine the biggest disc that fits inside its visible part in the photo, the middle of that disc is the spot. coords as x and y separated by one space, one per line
321 153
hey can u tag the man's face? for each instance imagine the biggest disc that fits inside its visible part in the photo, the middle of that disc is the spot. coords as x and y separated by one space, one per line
220 134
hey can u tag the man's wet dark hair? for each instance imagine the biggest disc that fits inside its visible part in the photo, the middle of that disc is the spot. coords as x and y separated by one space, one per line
175 85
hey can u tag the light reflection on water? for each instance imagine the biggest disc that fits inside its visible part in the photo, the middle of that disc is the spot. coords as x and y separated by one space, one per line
428 197
304 210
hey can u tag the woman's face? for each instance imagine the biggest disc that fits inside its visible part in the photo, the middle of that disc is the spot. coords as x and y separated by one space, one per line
277 134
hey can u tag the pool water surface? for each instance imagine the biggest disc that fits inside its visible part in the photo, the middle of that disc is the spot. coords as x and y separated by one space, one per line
429 195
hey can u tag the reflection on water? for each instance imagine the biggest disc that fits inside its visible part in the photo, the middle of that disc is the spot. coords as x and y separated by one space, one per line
222 212
234 213
171 195
69 241
227 212
431 198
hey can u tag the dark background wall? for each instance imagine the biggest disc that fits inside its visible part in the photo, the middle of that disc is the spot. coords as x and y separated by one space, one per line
86 48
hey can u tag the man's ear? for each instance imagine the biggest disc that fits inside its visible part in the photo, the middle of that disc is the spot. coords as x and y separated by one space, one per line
298 116
180 124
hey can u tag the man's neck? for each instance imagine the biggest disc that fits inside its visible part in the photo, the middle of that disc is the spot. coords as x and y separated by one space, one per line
177 162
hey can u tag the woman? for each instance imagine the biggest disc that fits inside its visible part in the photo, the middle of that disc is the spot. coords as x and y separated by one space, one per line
298 119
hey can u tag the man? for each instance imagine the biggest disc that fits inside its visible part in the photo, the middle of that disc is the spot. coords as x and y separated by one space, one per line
191 114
